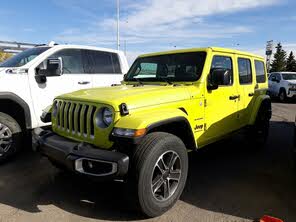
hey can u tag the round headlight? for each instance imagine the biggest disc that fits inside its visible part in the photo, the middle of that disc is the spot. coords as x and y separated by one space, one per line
107 116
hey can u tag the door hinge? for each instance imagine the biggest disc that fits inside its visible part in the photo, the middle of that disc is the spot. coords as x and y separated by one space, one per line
205 127
205 103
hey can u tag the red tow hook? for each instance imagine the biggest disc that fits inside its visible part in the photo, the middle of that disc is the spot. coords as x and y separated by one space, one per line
267 218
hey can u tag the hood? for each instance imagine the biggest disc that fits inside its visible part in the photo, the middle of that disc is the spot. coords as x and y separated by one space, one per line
134 96
292 81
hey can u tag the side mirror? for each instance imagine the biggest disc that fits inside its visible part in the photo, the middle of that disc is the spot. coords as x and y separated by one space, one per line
40 79
50 67
124 77
218 77
53 67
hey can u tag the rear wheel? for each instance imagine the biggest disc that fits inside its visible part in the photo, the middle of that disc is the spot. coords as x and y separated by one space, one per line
160 166
10 137
259 132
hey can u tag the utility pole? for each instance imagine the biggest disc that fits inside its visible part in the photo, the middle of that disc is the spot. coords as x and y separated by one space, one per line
118 40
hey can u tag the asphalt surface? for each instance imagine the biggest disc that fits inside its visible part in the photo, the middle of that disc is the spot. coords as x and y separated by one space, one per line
227 181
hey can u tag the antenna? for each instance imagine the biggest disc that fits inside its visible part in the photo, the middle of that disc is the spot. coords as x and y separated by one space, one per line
118 40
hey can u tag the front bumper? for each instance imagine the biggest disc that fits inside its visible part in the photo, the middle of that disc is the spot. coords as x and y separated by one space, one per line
81 157
291 93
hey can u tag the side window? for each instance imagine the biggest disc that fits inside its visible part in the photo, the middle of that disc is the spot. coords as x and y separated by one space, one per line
72 61
260 72
101 62
223 62
270 76
278 77
245 71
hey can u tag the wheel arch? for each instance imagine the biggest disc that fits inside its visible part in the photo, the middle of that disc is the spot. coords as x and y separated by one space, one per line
261 101
174 121
282 88
16 107
178 126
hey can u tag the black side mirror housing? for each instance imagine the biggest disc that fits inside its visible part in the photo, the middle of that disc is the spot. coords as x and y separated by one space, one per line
40 78
54 67
124 77
218 76
274 79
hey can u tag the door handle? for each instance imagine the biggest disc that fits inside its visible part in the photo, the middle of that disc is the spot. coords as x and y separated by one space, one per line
234 97
251 94
83 82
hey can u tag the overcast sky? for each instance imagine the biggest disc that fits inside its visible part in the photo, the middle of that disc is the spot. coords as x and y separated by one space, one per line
152 25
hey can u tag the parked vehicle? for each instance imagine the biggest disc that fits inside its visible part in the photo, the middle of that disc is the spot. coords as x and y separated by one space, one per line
30 80
169 103
282 85
294 150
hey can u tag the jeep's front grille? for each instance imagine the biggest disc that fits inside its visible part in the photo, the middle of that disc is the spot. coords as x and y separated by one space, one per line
76 119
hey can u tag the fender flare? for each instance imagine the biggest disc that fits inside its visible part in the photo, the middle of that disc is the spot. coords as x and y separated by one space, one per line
261 101
171 116
168 121
18 100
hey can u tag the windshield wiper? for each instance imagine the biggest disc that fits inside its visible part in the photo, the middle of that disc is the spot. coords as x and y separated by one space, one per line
165 79
137 80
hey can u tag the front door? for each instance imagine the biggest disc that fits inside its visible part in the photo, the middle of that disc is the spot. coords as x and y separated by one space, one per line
221 103
72 79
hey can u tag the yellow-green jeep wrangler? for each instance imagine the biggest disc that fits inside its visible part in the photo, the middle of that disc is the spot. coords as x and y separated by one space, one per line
168 104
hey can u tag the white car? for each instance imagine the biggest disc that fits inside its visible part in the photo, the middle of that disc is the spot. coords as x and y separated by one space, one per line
30 81
282 85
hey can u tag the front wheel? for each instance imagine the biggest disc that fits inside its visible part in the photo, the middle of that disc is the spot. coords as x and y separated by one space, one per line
10 137
160 166
282 95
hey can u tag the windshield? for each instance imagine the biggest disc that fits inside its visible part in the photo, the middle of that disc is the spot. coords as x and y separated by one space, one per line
181 67
290 76
23 57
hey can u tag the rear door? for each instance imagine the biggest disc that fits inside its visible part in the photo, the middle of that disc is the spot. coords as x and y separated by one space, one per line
104 67
271 83
247 85
277 84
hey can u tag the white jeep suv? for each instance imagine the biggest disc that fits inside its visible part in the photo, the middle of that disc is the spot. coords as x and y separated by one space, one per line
282 84
30 80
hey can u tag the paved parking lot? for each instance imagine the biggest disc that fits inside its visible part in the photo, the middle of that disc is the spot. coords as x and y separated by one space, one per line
227 182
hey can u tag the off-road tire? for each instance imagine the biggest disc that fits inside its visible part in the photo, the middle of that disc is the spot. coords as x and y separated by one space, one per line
259 132
147 154
282 95
16 138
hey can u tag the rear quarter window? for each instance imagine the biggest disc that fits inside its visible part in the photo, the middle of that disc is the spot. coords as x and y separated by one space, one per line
260 71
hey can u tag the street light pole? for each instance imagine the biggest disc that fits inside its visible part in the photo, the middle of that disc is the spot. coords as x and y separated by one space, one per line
118 40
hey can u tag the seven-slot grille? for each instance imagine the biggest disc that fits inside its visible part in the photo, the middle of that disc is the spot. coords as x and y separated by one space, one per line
76 118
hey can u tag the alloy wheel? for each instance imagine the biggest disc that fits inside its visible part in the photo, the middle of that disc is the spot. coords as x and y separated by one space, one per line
5 139
166 175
